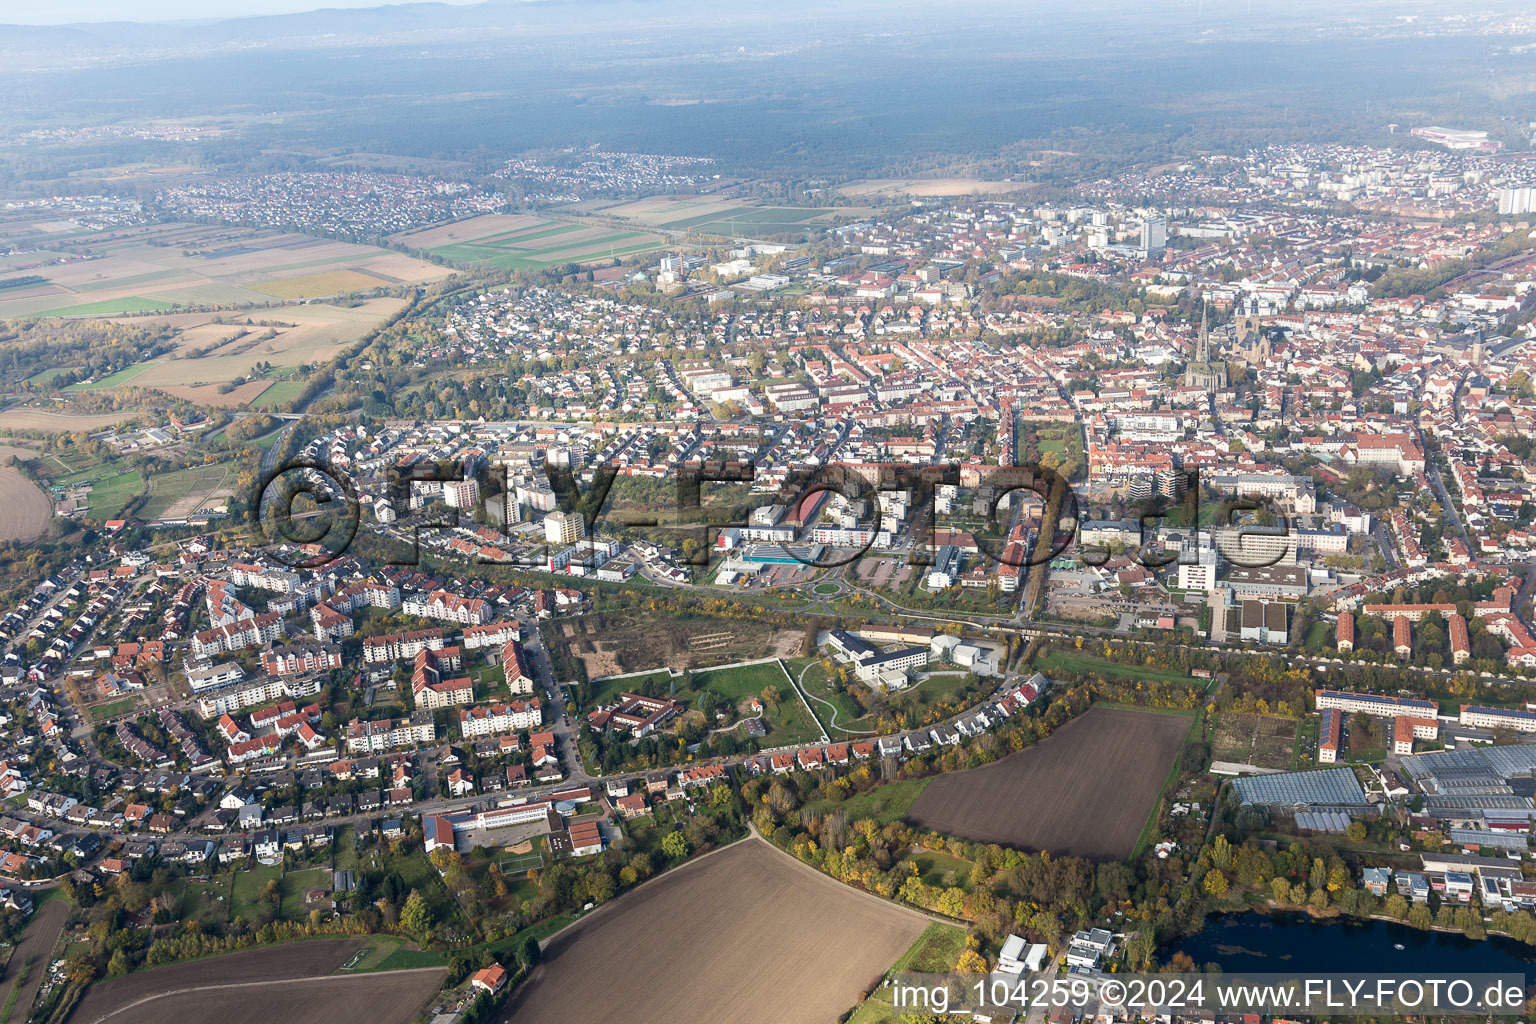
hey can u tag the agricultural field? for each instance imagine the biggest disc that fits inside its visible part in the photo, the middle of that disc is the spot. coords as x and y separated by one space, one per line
24 509
41 421
525 242
215 396
920 187
279 395
160 267
1086 790
292 983
740 935
935 952
19 449
724 216
327 282
1267 741
28 965
215 348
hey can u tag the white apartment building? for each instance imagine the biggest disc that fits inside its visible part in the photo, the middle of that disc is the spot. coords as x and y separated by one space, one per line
495 719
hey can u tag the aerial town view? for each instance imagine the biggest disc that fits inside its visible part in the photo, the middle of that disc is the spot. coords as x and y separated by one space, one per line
649 512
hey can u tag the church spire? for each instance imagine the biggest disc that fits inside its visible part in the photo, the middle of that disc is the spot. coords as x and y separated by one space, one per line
1203 348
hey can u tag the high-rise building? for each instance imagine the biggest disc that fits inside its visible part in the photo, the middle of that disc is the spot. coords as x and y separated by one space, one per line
564 527
1514 201
1154 235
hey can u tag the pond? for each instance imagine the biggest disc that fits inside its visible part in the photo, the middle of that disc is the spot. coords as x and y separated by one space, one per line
1255 942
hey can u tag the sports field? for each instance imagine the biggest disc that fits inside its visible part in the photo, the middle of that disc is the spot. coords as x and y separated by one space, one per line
158 267
110 489
184 492
746 935
524 242
1086 790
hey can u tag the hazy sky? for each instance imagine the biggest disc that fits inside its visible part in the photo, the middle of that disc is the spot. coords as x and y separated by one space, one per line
61 12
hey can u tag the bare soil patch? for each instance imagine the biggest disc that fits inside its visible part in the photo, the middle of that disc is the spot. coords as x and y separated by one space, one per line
746 935
647 640
601 661
1083 791
24 509
197 996
1263 740
210 395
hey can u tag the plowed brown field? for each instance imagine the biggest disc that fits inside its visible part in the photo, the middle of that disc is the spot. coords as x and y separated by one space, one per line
746 935
1085 790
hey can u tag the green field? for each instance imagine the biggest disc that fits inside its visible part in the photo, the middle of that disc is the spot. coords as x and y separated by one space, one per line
248 886
741 682
101 712
113 380
112 307
1076 661
885 803
418 873
935 868
296 884
515 864
788 723
817 683
937 686
46 377
410 959
279 395
109 491
607 690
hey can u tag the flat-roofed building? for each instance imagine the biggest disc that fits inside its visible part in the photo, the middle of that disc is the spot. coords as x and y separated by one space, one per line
1375 704
1480 717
